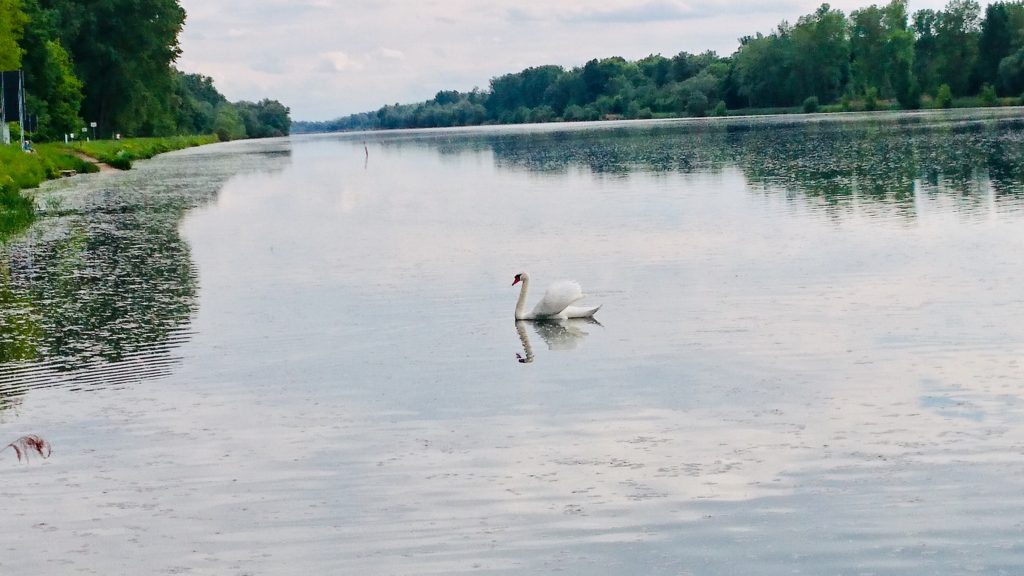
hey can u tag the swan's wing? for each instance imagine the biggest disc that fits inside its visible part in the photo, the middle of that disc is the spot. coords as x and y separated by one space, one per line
557 298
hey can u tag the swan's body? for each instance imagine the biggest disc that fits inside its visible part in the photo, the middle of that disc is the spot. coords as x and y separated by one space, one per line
557 303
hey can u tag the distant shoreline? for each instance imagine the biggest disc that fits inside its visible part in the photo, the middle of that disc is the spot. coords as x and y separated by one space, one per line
965 107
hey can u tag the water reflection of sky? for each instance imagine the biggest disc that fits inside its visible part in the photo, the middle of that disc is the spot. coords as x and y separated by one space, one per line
783 379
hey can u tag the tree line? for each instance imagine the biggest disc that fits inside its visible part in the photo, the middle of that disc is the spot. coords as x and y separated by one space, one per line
874 55
112 62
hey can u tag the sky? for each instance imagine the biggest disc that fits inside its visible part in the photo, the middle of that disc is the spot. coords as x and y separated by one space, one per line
330 58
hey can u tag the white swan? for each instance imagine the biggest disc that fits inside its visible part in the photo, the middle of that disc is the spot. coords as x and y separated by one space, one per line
556 303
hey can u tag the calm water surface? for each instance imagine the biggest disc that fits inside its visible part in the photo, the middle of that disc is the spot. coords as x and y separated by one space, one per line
298 356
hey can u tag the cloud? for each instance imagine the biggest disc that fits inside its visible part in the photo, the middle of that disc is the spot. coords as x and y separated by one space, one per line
269 65
338 61
391 54
648 12
651 11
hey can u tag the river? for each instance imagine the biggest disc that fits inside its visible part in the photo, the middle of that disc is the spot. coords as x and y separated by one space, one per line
299 355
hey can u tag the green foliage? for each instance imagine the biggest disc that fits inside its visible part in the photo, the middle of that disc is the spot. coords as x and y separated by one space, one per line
120 153
1011 73
227 123
12 29
871 99
57 94
988 96
199 103
264 119
123 50
957 34
944 97
810 105
697 104
721 109
16 210
1001 35
883 50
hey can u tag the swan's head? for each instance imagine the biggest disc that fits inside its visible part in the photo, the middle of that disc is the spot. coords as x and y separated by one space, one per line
522 276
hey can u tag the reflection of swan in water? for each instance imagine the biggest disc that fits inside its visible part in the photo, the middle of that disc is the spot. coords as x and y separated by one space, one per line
557 334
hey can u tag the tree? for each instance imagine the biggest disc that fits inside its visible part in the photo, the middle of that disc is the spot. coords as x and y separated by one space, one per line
228 124
56 94
957 36
900 55
1011 73
820 56
883 52
264 119
761 68
196 103
123 50
926 50
656 68
12 29
996 42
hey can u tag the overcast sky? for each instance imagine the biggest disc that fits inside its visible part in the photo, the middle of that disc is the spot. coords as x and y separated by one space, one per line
330 58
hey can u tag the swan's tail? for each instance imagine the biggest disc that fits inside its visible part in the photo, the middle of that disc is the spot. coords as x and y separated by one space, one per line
581 311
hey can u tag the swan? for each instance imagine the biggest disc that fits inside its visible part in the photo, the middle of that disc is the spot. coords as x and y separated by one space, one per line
556 303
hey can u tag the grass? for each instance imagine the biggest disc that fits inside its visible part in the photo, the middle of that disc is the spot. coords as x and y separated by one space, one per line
121 153
20 171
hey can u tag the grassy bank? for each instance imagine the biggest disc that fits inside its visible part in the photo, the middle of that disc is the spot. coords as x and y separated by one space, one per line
121 153
20 171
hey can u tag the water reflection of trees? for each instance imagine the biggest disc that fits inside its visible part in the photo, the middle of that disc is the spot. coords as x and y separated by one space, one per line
884 160
109 287
103 290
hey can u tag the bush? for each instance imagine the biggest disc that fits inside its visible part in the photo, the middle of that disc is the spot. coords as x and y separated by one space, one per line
120 162
944 97
871 99
988 96
16 210
574 113
721 109
811 105
697 105
1011 73
910 99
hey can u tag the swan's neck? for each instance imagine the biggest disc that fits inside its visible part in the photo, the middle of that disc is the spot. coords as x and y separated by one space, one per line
521 303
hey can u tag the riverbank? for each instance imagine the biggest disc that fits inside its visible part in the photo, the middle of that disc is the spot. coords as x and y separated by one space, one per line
20 171
121 153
